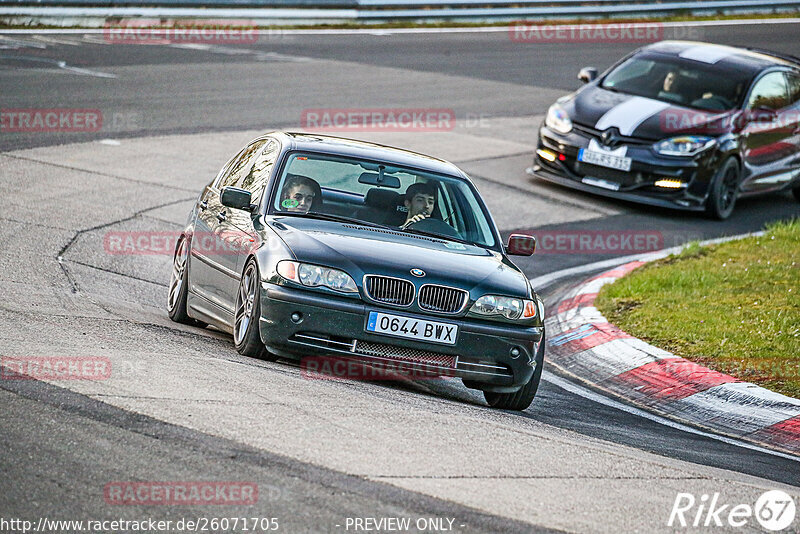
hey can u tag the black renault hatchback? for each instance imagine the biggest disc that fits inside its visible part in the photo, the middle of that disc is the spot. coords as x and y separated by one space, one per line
309 246
679 124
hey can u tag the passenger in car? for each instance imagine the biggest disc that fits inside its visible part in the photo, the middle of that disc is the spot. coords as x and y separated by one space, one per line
300 194
420 200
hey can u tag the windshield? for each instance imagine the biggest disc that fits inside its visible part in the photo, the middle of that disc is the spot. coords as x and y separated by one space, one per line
679 81
403 199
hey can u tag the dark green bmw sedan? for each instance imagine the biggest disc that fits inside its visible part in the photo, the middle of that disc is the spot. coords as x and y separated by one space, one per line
310 246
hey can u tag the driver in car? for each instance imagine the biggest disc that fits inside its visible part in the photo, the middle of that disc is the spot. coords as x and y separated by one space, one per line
420 199
300 194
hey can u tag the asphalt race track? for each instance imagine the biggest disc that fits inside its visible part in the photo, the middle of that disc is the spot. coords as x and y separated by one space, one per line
182 405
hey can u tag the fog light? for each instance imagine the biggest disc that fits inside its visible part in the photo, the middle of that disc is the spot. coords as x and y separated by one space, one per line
297 317
546 154
515 353
670 184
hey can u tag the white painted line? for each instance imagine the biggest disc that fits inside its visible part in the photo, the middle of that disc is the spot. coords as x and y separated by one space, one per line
61 65
85 72
547 279
379 32
109 142
581 391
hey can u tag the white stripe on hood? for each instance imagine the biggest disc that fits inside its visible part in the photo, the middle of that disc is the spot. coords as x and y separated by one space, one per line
628 115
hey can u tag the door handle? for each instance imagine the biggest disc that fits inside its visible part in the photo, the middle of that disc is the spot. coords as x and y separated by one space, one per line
221 216
203 204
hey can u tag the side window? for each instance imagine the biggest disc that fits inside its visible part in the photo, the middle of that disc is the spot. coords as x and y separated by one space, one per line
241 165
793 78
256 179
769 92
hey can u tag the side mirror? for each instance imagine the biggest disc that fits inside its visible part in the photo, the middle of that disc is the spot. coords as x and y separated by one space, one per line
236 198
764 114
521 245
587 74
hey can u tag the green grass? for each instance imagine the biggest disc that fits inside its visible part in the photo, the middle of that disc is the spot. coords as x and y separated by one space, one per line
732 307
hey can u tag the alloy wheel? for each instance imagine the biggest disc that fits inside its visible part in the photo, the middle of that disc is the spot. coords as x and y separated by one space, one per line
176 279
244 303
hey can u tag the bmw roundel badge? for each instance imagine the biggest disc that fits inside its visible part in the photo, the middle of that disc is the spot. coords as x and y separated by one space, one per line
418 272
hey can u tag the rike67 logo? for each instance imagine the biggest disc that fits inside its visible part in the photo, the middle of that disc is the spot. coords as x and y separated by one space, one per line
774 510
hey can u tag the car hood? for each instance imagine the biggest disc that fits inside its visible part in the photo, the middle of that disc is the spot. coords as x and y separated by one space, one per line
360 250
641 117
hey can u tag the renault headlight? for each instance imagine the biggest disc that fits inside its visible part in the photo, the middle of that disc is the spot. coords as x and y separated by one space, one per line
509 307
685 145
316 276
558 120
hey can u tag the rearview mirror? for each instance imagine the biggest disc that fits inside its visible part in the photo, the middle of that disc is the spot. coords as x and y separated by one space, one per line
521 245
380 180
236 198
587 74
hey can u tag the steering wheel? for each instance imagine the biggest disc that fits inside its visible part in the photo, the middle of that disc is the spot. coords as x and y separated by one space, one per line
436 226
714 103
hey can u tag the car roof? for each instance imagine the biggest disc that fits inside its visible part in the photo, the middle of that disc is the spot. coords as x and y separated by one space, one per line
342 146
726 57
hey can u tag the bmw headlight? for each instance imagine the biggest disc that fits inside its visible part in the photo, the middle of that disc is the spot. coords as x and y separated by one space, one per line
558 120
685 145
316 276
509 307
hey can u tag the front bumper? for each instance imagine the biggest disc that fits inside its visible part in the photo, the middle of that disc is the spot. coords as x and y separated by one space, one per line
335 326
636 185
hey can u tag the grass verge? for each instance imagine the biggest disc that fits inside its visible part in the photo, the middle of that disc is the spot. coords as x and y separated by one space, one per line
732 307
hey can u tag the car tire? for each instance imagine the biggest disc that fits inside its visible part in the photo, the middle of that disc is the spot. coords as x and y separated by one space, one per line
520 400
179 286
246 335
723 190
796 192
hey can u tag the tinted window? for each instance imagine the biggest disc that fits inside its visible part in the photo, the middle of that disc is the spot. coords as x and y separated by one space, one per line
679 81
769 92
794 87
241 165
259 172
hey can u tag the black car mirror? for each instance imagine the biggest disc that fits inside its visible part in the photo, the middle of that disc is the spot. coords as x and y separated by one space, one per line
236 198
587 74
764 114
521 245
379 180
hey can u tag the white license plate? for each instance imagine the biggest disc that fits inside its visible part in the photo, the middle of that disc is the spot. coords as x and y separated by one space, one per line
604 160
597 182
411 328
